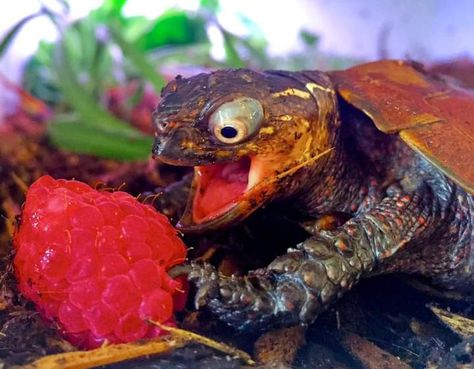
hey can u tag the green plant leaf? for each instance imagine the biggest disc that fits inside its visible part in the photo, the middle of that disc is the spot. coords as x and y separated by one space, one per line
113 6
233 58
91 112
133 28
40 81
95 131
10 35
174 27
139 60
82 138
309 38
211 5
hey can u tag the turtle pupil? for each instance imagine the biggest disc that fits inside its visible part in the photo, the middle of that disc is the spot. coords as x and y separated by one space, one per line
229 132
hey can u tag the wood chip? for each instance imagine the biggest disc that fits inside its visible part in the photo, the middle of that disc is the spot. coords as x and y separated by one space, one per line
370 355
459 324
279 346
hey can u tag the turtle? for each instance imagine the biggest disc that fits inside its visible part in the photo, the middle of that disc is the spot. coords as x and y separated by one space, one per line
387 146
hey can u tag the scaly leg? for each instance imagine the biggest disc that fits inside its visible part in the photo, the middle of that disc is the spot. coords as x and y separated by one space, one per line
297 286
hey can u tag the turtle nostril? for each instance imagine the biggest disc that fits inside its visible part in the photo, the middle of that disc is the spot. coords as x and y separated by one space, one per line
161 126
169 146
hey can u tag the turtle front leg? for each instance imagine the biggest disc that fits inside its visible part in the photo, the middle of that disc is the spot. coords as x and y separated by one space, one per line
298 286
294 288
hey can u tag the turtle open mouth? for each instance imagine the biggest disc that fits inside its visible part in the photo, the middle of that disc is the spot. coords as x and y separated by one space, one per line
224 193
219 187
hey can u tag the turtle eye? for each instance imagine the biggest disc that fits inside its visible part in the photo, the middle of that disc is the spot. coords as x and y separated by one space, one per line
236 120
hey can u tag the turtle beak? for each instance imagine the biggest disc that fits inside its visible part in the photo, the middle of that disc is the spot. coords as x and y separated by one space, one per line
175 147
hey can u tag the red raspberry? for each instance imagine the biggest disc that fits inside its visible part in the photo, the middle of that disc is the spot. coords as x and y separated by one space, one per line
95 262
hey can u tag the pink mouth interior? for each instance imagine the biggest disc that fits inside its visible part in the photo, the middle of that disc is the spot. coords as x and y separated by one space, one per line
218 187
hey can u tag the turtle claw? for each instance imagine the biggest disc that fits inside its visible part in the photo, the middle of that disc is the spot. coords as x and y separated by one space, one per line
237 301
206 279
202 296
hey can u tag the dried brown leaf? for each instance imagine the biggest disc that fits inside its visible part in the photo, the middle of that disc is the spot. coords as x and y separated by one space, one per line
189 336
104 355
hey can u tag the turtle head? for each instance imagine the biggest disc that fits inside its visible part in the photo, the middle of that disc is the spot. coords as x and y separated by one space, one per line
248 136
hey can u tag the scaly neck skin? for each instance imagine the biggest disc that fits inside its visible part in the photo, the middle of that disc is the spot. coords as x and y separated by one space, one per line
338 184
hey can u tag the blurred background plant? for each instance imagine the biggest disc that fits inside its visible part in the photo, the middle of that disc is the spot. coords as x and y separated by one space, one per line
97 85
93 89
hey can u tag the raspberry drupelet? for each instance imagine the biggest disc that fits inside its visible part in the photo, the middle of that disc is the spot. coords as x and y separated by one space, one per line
95 263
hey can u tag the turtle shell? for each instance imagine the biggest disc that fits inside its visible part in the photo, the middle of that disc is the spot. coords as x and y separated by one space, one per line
431 114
